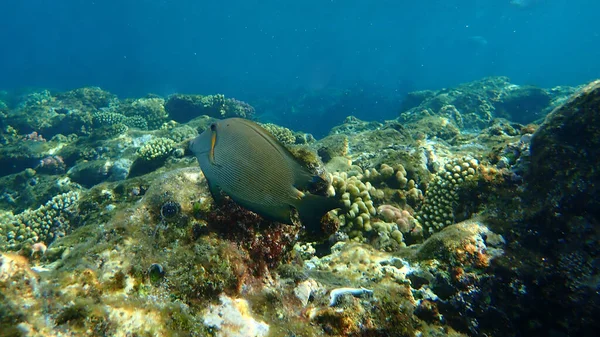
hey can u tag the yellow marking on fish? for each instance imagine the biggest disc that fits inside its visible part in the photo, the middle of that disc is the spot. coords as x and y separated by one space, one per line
213 142
300 195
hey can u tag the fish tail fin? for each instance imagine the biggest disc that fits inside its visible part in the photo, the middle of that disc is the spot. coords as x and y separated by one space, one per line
312 208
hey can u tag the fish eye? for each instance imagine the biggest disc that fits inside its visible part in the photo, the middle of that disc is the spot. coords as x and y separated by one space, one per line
213 126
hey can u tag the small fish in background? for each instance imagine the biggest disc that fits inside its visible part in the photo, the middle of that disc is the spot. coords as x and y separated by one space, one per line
478 41
525 3
243 160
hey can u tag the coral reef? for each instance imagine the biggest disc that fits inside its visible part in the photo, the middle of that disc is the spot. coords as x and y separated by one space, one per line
404 222
179 133
356 196
458 220
474 105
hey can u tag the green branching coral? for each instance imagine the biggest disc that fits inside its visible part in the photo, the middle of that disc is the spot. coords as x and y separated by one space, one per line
284 135
151 109
215 103
287 136
182 108
108 124
105 118
156 149
87 98
110 131
443 194
136 122
43 224
179 133
237 108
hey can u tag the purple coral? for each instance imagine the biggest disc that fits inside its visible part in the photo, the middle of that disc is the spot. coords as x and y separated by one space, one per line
52 165
401 217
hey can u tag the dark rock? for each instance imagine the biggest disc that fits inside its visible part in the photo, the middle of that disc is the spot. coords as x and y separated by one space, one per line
21 155
415 98
555 256
523 104
565 156
476 104
90 173
546 283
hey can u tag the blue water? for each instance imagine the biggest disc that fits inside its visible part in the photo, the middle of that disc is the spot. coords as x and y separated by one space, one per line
253 50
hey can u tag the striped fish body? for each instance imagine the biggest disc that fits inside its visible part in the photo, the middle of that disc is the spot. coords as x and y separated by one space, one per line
243 160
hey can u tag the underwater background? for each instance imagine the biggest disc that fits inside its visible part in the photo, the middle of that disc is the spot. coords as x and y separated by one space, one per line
165 167
256 49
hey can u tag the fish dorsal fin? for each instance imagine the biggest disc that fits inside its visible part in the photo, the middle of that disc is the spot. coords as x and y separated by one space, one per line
267 136
302 176
278 146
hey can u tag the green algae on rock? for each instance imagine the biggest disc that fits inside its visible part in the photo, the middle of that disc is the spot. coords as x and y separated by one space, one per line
474 105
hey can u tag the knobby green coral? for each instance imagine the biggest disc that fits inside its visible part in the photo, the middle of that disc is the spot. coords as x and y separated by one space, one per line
151 109
43 224
284 135
156 149
443 195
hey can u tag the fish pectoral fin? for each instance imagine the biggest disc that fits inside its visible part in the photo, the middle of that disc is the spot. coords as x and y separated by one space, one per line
216 193
281 213
311 208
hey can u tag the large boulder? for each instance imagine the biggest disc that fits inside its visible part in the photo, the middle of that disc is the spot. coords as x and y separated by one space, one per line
562 229
565 156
